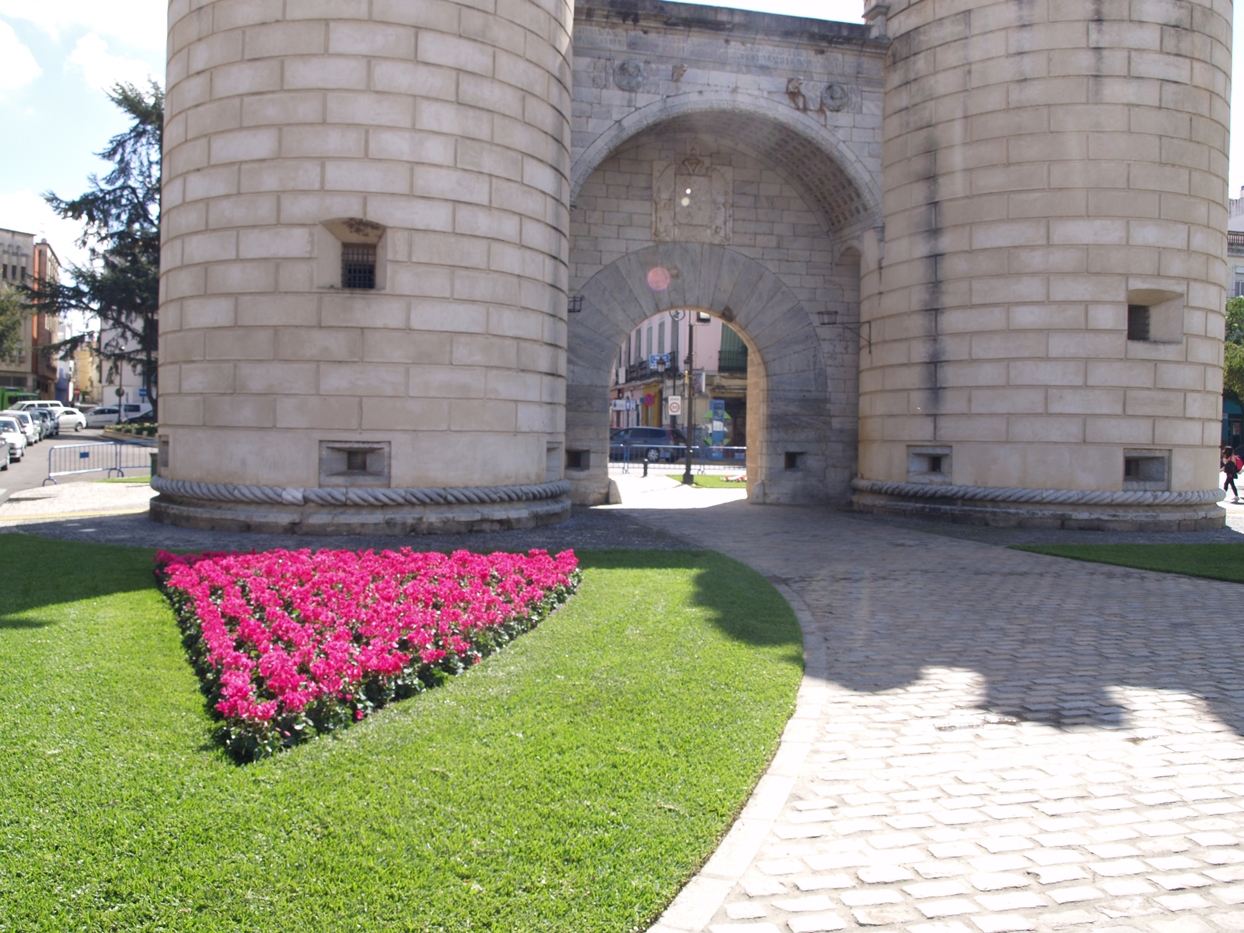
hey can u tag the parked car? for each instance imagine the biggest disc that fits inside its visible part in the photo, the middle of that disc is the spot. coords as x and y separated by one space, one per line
652 444
14 437
71 419
48 423
110 414
27 424
147 417
38 403
104 414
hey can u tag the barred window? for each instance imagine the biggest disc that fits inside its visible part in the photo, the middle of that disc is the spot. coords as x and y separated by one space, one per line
358 265
1137 322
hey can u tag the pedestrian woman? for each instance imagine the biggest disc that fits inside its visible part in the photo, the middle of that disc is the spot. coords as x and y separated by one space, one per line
1230 465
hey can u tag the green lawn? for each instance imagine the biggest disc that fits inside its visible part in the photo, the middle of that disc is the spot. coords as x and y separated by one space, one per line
144 478
1216 561
572 782
712 480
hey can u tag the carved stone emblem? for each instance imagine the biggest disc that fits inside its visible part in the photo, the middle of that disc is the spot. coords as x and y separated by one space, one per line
629 74
693 201
834 98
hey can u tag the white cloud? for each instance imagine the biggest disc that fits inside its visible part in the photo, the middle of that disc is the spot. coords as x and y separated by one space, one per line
17 64
28 212
103 70
140 23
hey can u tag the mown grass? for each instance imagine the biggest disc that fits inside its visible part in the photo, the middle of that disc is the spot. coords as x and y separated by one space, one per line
574 781
126 479
1215 561
710 481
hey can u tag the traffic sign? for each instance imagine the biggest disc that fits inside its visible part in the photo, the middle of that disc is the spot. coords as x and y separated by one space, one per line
675 405
649 399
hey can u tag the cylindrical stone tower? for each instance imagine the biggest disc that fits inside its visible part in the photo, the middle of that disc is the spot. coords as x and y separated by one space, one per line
364 264
1045 303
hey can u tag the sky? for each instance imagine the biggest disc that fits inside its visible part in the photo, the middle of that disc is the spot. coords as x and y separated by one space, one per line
58 56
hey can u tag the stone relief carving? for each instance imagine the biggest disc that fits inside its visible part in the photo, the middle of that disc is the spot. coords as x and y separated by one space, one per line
629 74
833 97
693 201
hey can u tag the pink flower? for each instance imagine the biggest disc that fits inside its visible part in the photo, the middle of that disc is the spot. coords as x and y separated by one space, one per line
290 634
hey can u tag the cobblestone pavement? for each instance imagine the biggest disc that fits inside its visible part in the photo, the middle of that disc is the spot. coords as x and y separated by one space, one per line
987 740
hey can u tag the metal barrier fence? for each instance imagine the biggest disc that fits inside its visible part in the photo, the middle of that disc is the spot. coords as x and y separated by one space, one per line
71 459
703 458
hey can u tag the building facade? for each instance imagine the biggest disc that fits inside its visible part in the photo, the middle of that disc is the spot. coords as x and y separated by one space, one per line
652 368
976 253
25 262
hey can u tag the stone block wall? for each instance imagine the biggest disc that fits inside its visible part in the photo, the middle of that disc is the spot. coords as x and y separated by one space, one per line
1046 165
444 128
750 93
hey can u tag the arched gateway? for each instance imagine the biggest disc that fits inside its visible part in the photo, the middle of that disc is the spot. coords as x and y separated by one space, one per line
787 385
403 242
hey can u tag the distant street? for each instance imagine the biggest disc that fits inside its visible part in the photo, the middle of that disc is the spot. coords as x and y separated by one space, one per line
33 468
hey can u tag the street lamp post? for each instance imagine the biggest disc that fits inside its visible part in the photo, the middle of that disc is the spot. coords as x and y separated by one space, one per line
690 419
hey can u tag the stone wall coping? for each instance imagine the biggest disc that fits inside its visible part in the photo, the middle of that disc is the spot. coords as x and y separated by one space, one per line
359 495
1036 496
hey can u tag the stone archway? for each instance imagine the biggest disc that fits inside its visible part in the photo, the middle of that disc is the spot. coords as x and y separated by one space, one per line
847 197
788 400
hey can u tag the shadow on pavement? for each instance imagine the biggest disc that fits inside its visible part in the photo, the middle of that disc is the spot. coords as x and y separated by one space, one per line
1052 638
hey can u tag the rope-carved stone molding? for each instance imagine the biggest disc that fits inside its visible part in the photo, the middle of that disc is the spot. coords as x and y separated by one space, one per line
1036 496
360 496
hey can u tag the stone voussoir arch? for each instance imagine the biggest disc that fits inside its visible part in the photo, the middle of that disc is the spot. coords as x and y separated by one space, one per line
787 385
798 125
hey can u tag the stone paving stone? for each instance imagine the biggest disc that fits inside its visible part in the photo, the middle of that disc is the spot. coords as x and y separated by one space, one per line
816 923
1003 923
1004 741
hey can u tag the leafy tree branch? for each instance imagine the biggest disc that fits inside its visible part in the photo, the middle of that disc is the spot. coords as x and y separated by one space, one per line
120 214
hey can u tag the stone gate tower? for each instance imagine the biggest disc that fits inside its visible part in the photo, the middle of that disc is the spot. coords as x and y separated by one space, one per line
364 264
1046 306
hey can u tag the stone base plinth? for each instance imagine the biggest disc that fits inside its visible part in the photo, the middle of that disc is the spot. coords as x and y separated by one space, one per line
1082 510
278 510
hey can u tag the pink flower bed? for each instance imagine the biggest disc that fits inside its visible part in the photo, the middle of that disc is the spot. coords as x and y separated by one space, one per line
292 643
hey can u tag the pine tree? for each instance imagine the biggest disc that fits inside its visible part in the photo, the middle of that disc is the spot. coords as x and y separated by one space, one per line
120 214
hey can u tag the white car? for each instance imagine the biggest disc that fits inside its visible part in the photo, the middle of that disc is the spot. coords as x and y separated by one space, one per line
39 403
14 438
105 414
71 419
29 428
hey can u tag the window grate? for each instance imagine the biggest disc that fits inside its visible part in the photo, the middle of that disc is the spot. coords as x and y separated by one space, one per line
1137 322
358 265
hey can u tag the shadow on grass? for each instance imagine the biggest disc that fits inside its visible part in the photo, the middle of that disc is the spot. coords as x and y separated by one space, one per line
723 586
43 572
40 573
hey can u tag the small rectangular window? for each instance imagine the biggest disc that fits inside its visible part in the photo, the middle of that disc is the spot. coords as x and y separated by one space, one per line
358 265
578 459
930 465
1137 322
1147 470
794 459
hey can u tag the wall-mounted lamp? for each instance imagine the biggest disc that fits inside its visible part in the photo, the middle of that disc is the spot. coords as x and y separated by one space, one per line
864 331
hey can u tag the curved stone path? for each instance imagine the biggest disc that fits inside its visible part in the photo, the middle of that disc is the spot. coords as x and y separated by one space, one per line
986 740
